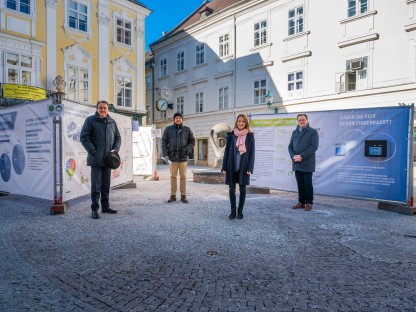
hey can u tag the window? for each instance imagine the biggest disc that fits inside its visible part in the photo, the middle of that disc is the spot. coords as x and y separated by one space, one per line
19 69
296 21
202 149
260 87
224 45
77 15
356 75
200 54
78 87
179 104
199 102
148 82
356 7
163 115
123 31
163 68
180 61
124 92
295 81
223 98
19 5
260 33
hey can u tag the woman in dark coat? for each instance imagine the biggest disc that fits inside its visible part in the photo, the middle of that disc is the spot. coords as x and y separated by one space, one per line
238 162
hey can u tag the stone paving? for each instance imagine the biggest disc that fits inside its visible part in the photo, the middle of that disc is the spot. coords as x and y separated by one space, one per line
345 255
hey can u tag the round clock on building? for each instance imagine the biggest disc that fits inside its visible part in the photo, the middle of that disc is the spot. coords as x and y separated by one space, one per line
161 105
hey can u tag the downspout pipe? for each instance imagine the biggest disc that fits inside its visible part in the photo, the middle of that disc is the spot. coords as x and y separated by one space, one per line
235 66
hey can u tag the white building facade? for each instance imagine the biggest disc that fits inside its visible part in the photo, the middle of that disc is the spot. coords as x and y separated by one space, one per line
310 55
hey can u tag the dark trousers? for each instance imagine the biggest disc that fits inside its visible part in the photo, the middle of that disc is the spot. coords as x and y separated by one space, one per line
100 187
305 187
232 195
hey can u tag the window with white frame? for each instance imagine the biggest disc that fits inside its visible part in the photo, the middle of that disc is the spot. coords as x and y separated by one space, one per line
260 91
357 7
78 83
124 31
199 102
296 21
179 104
224 45
295 81
78 15
260 33
22 6
124 89
163 70
356 74
223 98
163 115
180 61
19 69
200 54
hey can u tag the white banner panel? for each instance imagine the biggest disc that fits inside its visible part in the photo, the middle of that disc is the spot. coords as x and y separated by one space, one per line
142 151
26 150
77 175
362 153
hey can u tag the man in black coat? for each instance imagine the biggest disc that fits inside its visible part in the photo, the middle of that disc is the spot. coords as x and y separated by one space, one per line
99 136
302 147
177 145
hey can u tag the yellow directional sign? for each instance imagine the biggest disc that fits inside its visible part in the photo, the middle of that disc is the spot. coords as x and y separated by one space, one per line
16 91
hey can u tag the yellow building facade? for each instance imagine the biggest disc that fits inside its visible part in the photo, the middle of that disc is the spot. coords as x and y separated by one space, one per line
97 46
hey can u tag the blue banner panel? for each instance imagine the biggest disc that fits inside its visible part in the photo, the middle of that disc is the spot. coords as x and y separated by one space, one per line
362 153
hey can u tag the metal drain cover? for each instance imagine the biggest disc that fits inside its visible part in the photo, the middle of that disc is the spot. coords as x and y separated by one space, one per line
212 253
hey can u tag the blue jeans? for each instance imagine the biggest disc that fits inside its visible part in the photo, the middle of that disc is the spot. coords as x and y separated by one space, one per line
100 187
305 187
231 192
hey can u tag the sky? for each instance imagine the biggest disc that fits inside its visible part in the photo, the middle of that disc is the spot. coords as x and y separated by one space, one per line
165 16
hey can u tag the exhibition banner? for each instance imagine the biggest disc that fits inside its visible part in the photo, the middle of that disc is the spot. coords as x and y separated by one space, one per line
362 153
77 175
26 150
142 151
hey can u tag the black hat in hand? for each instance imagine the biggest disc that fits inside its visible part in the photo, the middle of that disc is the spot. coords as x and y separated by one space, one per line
112 159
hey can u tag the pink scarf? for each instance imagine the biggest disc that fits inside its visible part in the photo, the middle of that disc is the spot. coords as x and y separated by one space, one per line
241 140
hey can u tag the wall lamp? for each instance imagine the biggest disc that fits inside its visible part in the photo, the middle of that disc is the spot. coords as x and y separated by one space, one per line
269 101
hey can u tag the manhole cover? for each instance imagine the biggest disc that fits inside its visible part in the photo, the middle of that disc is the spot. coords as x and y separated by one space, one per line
212 253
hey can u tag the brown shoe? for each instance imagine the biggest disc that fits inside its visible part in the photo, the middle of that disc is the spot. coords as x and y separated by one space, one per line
308 207
298 206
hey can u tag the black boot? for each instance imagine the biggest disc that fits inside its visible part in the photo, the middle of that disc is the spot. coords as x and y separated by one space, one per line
233 214
172 198
240 213
183 199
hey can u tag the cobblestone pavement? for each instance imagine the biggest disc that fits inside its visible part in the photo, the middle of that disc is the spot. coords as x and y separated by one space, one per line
345 255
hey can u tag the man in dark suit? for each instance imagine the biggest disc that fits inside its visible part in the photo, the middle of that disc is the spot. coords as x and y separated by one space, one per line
99 136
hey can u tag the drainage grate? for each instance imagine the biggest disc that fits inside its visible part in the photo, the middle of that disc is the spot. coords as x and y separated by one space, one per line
212 253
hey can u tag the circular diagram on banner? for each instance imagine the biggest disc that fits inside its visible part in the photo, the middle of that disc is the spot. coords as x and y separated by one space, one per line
70 167
5 167
18 159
